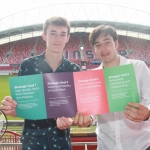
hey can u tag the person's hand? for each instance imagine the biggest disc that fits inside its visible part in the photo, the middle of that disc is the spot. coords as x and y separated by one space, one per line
8 106
64 123
82 121
136 112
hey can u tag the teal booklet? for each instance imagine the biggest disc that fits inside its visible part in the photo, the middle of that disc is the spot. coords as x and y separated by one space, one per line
54 95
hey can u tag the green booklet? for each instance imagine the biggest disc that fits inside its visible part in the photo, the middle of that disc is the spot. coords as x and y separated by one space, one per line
121 87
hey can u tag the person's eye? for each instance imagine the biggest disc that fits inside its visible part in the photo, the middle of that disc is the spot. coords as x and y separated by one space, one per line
97 45
63 34
52 33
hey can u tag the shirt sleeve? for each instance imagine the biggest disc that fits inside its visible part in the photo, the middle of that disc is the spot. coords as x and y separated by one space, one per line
144 84
23 69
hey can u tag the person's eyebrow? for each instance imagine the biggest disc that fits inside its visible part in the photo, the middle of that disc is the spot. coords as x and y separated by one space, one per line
52 31
56 31
95 43
64 32
106 39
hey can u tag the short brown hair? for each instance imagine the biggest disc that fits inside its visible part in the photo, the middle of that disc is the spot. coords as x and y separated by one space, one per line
58 21
102 30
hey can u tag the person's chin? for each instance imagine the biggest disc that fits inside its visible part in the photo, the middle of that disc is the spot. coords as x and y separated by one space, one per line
105 58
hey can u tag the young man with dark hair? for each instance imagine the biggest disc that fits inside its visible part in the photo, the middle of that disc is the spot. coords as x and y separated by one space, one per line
128 130
44 134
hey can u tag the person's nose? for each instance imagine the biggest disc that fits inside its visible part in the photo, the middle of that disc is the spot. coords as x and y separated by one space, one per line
103 47
58 37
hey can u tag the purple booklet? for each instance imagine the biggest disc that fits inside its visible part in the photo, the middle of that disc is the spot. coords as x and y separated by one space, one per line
60 95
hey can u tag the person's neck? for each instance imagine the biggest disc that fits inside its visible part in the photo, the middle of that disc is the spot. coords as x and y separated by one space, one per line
54 60
113 63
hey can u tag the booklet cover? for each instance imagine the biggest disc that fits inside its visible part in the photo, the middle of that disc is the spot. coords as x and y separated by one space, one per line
59 95
29 93
121 87
90 92
54 95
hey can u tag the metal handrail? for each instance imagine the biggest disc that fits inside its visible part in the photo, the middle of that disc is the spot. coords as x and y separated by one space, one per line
72 143
10 144
85 144
21 123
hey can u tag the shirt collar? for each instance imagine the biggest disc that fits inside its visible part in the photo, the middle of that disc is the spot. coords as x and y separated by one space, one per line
123 61
61 67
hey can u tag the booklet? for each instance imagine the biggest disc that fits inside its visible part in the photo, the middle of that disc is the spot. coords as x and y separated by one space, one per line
54 95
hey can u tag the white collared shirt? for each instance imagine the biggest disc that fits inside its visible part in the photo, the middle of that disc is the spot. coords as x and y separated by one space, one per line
116 132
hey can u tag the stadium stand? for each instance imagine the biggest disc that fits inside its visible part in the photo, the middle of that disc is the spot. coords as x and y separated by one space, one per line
13 53
20 51
40 46
122 44
140 48
4 51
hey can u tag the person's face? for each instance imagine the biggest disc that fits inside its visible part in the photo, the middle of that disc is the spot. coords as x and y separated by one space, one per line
56 37
105 48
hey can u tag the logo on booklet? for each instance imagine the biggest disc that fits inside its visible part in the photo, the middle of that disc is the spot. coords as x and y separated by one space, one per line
3 123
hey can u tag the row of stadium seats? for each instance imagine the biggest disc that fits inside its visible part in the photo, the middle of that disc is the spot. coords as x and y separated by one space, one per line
15 52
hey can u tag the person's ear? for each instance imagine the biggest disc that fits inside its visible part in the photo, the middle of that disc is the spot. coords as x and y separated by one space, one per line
44 36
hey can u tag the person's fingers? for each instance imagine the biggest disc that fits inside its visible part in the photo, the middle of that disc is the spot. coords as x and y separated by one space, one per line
9 99
81 118
82 121
87 120
76 118
134 104
63 123
60 123
67 121
132 109
9 112
131 118
7 103
137 112
8 106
